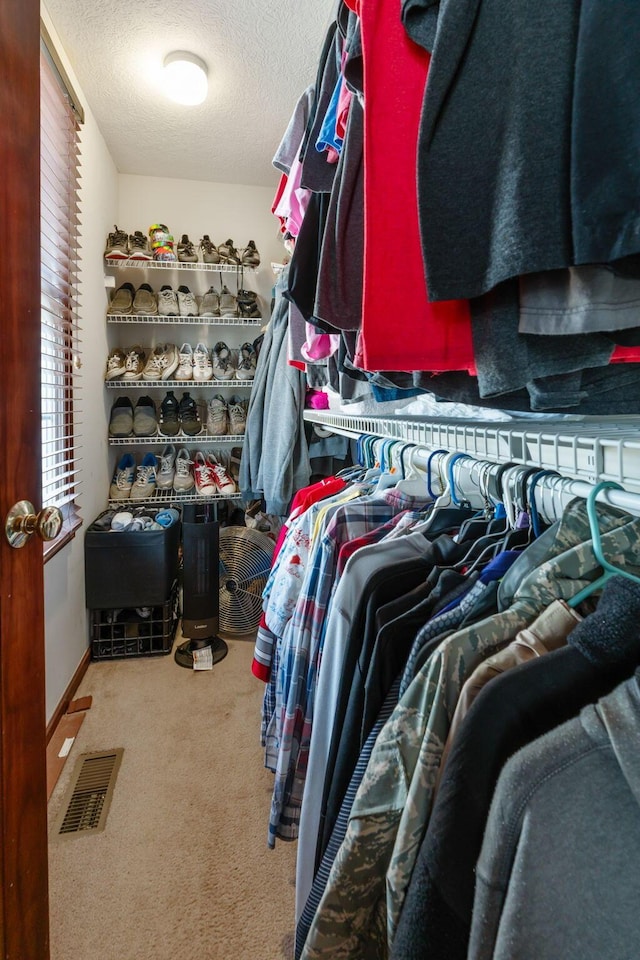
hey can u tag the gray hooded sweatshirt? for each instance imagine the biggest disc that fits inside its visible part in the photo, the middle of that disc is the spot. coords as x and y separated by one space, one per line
558 877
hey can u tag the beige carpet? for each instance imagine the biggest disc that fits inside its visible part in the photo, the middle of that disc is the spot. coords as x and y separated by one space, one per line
182 871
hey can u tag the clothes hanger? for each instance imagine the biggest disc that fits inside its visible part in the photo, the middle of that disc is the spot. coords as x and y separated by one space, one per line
445 516
609 569
533 507
414 482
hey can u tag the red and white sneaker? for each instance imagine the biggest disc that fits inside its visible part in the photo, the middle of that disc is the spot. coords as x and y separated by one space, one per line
224 482
204 476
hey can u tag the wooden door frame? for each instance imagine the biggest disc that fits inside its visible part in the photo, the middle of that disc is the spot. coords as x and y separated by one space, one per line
24 922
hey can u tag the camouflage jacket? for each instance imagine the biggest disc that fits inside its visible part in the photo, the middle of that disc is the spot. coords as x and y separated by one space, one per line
361 905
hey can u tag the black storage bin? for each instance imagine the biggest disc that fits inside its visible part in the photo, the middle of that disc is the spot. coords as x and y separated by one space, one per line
141 632
130 569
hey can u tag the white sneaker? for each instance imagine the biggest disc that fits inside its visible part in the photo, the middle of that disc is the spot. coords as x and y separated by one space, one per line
224 482
145 483
183 480
123 475
162 363
167 468
202 366
223 368
185 366
210 303
204 475
187 303
168 302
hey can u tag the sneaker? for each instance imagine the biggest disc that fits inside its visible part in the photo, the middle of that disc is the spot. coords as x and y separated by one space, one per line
134 363
169 422
209 252
166 468
202 366
186 250
228 253
210 304
189 416
139 247
121 418
224 482
228 303
115 364
185 366
204 476
187 303
168 302
144 484
222 361
122 303
250 256
117 246
144 302
145 418
162 363
217 417
123 475
234 464
237 416
247 362
248 305
183 480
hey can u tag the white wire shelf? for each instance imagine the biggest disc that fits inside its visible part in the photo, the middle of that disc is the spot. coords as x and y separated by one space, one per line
130 263
182 438
204 321
149 384
168 497
591 449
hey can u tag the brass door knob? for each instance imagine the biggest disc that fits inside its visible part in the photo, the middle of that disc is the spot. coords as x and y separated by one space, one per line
22 521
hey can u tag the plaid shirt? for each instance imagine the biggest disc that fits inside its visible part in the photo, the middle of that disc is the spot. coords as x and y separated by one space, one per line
289 732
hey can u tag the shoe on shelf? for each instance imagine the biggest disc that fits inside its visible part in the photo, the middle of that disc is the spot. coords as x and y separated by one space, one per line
248 305
139 246
121 418
209 252
189 416
169 421
237 416
117 246
202 366
166 468
162 363
234 464
228 253
250 256
204 476
186 250
224 482
187 303
123 476
134 363
168 302
222 361
183 480
210 304
115 364
144 484
228 303
144 302
217 416
145 418
246 362
122 303
185 366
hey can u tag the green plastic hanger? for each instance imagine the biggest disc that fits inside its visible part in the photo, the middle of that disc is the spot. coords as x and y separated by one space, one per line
609 569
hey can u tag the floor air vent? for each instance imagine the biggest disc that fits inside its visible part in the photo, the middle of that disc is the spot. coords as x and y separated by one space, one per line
89 793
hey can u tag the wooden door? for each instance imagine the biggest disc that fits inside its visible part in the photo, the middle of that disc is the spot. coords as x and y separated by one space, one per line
23 826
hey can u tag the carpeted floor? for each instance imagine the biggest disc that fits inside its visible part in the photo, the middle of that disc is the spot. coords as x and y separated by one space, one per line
182 871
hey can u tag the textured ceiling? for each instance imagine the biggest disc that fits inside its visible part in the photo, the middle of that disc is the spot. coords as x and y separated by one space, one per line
261 55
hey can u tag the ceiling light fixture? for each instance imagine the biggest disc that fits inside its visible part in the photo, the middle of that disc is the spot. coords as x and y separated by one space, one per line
186 78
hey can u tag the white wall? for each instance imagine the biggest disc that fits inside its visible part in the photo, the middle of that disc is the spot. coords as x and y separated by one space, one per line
66 628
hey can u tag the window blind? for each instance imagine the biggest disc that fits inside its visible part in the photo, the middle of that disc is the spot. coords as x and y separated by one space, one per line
59 225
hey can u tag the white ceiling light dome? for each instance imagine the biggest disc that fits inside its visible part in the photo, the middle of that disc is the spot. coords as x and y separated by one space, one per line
186 78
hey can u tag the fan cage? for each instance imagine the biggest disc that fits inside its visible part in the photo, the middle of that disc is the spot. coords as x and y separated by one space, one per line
244 561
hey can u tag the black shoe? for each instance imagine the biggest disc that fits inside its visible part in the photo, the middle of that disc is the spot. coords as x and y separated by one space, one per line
189 416
169 423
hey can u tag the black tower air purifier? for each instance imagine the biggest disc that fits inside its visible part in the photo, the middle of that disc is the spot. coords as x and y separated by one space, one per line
200 583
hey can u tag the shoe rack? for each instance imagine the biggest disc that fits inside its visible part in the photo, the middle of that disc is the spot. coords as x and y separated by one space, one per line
148 331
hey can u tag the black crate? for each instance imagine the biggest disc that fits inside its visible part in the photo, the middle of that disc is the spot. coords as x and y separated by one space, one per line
134 569
121 633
